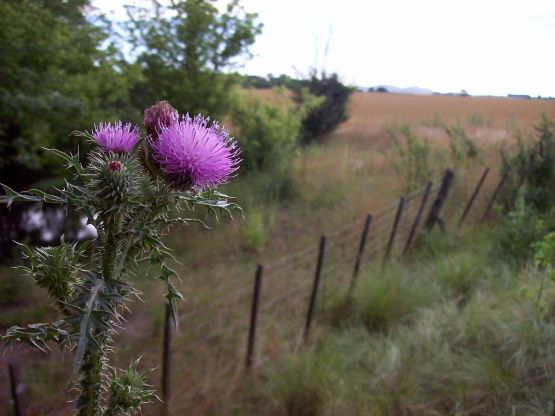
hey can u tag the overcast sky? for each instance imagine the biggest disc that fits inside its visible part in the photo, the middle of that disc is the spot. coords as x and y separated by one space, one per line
484 46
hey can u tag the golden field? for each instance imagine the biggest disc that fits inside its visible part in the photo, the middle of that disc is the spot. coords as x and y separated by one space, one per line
337 183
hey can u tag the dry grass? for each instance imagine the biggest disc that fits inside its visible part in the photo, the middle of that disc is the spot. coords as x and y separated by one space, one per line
370 111
339 183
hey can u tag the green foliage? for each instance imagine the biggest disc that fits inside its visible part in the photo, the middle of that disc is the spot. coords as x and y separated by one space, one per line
60 72
271 81
534 163
253 230
414 166
390 297
332 110
185 49
383 300
459 274
462 148
432 245
299 385
489 355
417 161
55 78
521 228
268 132
544 258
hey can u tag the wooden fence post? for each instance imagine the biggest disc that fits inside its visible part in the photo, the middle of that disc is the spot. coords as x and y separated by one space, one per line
254 313
418 215
473 197
166 361
394 229
360 252
498 188
433 216
16 390
315 286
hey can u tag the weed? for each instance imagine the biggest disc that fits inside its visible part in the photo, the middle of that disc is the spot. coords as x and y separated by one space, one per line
254 230
413 166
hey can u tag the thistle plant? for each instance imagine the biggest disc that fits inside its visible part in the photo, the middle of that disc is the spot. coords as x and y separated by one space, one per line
132 189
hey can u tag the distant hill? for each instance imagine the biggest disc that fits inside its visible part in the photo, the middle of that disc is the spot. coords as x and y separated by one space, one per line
396 90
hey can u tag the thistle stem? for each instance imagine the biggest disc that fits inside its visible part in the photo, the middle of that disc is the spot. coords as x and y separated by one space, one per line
88 403
110 251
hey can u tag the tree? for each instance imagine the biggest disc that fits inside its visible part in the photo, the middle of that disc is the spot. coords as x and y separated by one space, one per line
185 49
56 78
333 109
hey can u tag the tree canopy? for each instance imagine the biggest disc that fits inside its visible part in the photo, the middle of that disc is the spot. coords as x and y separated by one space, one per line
185 51
57 75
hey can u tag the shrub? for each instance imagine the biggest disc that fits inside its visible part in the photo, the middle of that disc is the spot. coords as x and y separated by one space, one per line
331 111
268 132
253 230
461 146
417 162
414 165
533 163
520 230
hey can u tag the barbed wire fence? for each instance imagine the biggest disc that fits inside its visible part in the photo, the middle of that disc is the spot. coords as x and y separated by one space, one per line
247 322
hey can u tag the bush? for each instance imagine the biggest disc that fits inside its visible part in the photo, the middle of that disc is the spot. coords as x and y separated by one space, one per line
461 146
414 165
417 162
254 232
332 110
534 162
268 132
522 227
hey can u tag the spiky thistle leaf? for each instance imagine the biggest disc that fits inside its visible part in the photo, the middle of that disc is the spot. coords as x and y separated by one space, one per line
55 268
93 312
37 335
128 391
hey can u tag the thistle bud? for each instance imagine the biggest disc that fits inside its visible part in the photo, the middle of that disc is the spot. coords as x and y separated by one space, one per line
116 182
114 165
159 115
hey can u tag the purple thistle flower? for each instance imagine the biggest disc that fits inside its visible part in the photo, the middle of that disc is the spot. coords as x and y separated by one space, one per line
117 137
193 154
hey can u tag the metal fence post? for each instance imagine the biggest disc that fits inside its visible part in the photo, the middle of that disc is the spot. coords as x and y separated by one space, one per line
498 188
394 229
254 313
166 361
418 215
433 216
473 197
360 252
16 390
314 294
